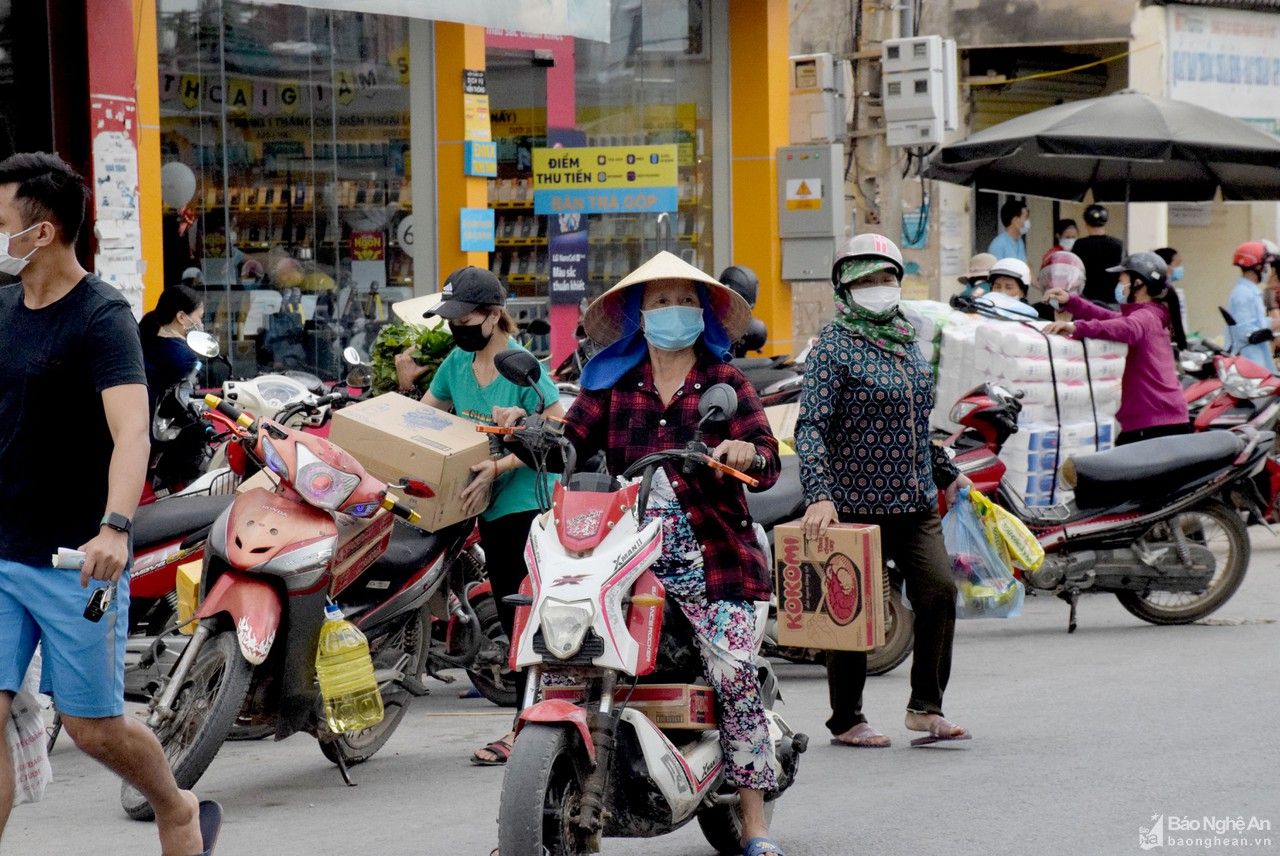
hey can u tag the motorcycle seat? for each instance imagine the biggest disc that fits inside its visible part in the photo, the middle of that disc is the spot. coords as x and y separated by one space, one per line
782 502
409 549
1151 468
175 517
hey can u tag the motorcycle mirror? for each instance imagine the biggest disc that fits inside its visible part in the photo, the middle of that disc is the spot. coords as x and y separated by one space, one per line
1227 316
538 327
718 404
352 356
360 377
203 344
521 368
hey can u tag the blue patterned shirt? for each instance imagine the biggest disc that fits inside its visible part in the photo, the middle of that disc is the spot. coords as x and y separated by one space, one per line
863 432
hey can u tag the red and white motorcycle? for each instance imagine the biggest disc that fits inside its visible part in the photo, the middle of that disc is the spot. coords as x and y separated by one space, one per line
588 761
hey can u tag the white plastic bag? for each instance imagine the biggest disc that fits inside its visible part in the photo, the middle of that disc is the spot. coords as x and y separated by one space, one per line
26 736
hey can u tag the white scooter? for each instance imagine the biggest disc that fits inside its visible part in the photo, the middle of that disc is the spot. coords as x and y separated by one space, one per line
590 761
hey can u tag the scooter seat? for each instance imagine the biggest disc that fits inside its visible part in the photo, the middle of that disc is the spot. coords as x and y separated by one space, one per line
175 517
782 502
409 549
1151 468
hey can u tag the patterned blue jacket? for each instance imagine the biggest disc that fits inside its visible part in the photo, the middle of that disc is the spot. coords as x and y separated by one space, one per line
863 431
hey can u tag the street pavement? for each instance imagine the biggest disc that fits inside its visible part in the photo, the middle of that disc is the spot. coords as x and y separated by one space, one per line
1079 741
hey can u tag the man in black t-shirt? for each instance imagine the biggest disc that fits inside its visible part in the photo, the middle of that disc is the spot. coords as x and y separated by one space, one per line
73 457
1098 251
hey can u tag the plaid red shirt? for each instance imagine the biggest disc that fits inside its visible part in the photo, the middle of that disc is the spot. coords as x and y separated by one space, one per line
629 421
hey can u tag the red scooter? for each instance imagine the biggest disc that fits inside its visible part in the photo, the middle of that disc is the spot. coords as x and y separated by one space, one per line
1158 523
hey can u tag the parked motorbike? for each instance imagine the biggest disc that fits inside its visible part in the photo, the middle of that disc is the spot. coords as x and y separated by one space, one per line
273 560
1157 523
592 612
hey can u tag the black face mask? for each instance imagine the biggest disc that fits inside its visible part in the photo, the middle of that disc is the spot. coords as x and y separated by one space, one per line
469 337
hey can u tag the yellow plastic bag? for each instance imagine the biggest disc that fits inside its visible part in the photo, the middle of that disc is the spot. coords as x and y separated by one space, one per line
1007 533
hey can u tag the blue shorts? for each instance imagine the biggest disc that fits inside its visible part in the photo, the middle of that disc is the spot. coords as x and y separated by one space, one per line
83 661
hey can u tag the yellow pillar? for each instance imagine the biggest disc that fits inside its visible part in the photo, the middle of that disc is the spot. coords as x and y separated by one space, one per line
147 67
758 53
458 47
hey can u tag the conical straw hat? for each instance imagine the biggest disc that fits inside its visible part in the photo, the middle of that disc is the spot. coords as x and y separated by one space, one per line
604 317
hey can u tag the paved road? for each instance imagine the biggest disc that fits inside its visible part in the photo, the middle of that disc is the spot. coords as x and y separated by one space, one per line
1079 741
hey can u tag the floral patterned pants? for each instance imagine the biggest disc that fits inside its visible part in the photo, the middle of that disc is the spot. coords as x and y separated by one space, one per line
724 631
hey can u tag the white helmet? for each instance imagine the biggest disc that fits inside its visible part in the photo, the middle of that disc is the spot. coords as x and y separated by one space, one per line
1015 268
867 247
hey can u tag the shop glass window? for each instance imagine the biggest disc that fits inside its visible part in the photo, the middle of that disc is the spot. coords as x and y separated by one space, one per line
295 124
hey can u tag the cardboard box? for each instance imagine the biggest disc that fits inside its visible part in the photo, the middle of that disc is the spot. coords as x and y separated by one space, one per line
830 591
683 707
782 420
394 436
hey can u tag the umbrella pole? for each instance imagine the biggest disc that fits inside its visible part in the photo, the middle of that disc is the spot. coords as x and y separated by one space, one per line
1128 214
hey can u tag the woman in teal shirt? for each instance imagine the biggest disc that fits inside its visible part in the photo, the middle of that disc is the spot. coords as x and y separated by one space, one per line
503 491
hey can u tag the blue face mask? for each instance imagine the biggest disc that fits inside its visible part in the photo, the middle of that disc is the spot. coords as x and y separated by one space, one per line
673 328
1176 274
1120 295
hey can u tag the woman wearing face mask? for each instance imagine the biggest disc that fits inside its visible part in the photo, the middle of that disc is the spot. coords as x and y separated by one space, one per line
865 457
163 330
669 328
503 491
1065 233
1151 400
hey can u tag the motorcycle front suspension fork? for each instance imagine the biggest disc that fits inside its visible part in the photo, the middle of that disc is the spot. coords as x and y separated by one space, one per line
163 708
604 727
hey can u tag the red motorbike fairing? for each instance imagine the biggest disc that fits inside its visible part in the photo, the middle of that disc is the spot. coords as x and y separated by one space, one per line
154 573
644 623
560 712
263 525
254 608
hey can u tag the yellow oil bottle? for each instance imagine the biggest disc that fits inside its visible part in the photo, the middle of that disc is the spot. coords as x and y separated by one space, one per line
345 669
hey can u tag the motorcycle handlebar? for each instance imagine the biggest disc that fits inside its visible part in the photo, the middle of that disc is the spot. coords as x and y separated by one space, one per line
399 509
229 410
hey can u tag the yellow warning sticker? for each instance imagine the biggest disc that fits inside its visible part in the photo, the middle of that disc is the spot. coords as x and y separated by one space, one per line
804 193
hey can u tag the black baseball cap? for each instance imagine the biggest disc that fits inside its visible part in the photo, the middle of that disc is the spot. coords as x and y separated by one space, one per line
467 289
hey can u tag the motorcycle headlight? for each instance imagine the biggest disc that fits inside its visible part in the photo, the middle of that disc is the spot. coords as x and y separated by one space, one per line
961 409
320 484
565 624
274 462
1239 386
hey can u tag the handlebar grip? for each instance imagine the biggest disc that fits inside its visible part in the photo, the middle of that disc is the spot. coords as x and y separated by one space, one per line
400 510
229 410
494 429
730 471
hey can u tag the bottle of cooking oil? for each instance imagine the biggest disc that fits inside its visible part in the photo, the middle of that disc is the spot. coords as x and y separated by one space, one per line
345 669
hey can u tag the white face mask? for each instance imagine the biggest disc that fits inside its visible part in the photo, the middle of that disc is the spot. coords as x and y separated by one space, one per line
1067 243
9 264
1026 225
877 299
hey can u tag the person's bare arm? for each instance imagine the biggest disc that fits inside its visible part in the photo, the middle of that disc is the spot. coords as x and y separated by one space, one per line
107 553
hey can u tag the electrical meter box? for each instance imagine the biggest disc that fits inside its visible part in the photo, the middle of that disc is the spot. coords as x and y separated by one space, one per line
811 214
819 93
919 89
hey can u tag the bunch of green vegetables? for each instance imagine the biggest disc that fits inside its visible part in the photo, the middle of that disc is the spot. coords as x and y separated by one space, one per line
428 348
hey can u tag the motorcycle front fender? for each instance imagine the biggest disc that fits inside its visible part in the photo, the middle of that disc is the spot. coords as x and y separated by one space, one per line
560 712
254 607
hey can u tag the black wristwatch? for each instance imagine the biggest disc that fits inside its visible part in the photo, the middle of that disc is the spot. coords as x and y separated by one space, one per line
118 522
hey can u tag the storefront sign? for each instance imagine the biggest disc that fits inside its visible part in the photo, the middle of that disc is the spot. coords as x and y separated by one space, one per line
568 247
368 246
477 229
1226 60
480 158
368 260
605 179
475 105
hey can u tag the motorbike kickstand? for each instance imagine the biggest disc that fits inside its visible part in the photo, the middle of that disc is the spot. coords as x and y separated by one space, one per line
342 768
1073 598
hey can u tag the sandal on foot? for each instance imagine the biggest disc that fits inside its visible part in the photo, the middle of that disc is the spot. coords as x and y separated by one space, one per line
940 731
501 750
761 847
862 736
210 825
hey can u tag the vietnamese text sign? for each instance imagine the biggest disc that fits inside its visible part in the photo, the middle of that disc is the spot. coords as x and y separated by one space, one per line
1226 60
605 179
475 105
567 247
476 226
480 158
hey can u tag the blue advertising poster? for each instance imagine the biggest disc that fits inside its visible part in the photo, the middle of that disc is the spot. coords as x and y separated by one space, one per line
567 246
476 226
480 158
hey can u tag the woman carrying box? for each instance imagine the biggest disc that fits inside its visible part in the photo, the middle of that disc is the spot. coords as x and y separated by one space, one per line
503 491
865 457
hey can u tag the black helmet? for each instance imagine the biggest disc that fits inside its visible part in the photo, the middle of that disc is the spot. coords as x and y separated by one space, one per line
1147 267
1096 215
742 280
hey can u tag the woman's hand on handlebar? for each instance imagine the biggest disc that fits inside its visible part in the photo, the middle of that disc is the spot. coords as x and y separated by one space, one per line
508 417
1059 294
738 454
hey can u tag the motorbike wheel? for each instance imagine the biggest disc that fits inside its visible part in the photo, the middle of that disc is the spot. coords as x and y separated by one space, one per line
541 793
359 746
1222 531
203 714
721 825
899 636
493 680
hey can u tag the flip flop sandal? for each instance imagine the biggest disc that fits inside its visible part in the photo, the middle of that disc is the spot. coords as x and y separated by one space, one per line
210 825
761 847
861 733
935 737
500 748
